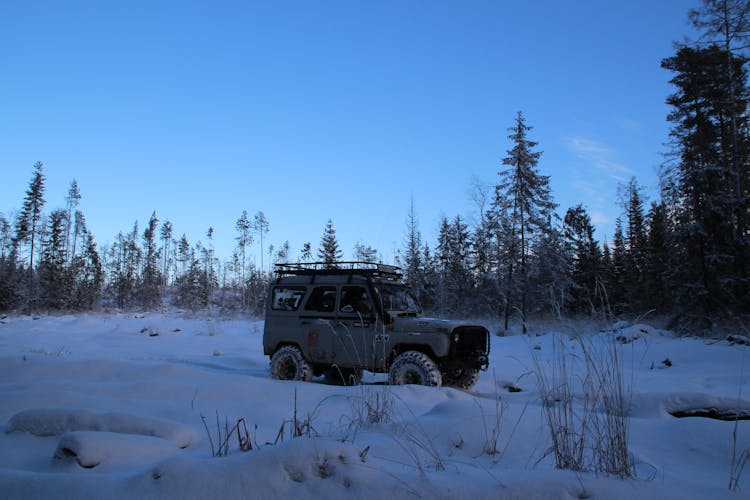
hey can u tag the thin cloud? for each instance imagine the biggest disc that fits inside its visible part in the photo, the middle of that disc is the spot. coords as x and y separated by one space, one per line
600 157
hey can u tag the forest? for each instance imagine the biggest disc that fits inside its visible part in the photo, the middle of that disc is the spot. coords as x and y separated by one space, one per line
684 256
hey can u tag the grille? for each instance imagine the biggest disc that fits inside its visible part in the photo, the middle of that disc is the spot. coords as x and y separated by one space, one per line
471 340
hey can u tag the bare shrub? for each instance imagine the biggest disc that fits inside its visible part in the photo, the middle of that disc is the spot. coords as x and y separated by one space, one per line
296 426
739 459
567 427
222 438
491 423
611 424
588 427
373 406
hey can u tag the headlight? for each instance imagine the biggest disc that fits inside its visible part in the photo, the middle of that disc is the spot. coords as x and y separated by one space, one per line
456 338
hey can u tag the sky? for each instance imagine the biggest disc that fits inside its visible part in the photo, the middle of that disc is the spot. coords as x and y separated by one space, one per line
339 110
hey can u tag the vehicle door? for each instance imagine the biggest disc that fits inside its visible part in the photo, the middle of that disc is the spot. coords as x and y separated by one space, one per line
317 324
355 325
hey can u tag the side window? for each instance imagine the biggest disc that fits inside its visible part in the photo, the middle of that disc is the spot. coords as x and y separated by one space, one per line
354 299
322 299
287 298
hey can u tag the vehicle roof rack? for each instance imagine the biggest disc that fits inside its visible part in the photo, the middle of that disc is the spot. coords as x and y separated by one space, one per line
372 269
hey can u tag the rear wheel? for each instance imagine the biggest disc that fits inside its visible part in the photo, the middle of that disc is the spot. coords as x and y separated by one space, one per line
414 367
463 378
288 363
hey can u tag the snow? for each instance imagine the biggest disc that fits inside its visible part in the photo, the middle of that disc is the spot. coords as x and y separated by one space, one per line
122 406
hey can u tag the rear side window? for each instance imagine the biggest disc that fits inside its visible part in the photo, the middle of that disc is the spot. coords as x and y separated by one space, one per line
322 299
287 298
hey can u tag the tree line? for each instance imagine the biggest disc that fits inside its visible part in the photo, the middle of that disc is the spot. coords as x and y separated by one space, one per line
50 262
685 254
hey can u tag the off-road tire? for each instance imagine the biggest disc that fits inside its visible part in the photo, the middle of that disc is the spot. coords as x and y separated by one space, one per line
465 378
288 364
414 367
342 376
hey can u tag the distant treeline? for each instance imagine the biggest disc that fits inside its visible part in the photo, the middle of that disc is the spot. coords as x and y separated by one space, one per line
684 255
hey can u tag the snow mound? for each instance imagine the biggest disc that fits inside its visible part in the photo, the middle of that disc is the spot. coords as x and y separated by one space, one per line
92 448
302 468
54 422
703 405
689 404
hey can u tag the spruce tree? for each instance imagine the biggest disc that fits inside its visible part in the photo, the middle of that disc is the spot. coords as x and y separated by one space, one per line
727 24
54 285
617 289
412 253
657 258
708 241
453 254
585 259
329 251
88 276
28 228
149 293
523 196
635 255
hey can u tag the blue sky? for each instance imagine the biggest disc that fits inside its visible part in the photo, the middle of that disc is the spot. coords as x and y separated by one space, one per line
310 110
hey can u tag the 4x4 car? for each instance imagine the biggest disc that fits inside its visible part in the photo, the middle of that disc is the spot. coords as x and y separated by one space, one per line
337 320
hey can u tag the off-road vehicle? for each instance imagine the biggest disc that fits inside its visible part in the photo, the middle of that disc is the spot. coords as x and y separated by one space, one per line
339 319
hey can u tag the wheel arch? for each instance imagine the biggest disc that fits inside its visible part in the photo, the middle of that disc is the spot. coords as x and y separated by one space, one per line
401 348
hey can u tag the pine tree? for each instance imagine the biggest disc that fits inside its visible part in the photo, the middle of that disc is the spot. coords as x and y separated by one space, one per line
210 281
72 201
365 253
166 238
79 228
244 239
184 254
282 254
306 252
260 225
329 252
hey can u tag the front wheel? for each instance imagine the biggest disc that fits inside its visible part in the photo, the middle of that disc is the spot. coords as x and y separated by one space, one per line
463 378
288 363
414 367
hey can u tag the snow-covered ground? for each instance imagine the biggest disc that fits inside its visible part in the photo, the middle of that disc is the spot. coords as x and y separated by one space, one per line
122 405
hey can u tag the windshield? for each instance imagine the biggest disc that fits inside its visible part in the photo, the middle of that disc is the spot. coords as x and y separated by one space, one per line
400 299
